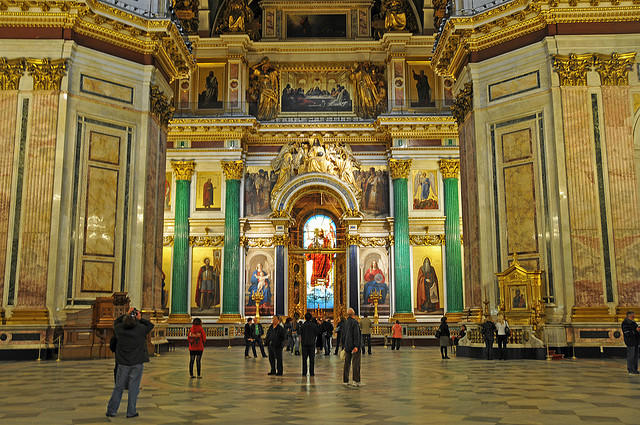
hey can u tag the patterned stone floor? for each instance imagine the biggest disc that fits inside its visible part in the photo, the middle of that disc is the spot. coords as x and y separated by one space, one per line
409 386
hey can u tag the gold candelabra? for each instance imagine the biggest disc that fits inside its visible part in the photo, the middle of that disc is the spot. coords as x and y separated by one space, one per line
257 297
375 296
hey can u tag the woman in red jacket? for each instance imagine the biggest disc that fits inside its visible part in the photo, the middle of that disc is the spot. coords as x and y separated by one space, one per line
397 335
196 338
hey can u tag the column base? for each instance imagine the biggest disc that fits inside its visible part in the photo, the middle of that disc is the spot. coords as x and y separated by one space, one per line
179 318
454 317
230 318
404 318
591 314
35 316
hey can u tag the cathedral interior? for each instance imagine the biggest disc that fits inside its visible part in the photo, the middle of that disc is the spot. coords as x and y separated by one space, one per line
409 159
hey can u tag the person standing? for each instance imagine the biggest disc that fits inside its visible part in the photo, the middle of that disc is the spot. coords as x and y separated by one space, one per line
365 326
503 331
327 333
259 331
275 341
287 330
249 338
295 336
309 331
351 342
131 331
196 337
631 333
445 334
488 332
396 335
339 334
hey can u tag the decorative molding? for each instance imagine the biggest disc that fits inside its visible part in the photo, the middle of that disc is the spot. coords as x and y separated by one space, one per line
11 71
369 241
47 74
161 105
426 240
233 170
614 69
206 241
463 103
352 239
450 168
572 70
399 168
352 213
167 241
258 242
281 240
183 169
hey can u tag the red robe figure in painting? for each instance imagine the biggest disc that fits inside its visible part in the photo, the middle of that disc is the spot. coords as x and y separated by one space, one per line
207 194
321 262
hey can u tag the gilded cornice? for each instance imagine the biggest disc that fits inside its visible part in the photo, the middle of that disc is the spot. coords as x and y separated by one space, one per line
47 74
614 69
426 240
259 242
206 241
399 168
463 103
369 241
233 170
450 168
10 73
160 105
183 169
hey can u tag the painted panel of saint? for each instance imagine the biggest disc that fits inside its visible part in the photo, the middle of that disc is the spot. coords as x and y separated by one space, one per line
317 26
374 182
427 275
210 86
258 183
205 281
166 277
425 190
167 191
374 273
422 87
259 280
208 191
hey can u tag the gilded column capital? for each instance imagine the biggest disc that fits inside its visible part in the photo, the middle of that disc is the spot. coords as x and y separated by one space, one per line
183 169
463 103
233 170
47 74
160 105
572 70
399 168
11 71
614 69
450 168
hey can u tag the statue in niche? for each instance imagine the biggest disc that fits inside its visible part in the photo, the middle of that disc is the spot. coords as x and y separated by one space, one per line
395 18
187 12
370 89
264 89
237 17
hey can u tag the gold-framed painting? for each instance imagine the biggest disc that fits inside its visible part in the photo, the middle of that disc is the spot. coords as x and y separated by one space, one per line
209 191
206 271
422 85
425 189
316 90
374 279
374 183
211 85
258 183
259 279
428 284
165 295
168 181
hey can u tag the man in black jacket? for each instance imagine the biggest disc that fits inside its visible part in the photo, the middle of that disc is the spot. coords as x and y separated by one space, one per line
131 330
339 327
275 341
259 331
631 334
351 342
327 333
249 338
488 331
309 332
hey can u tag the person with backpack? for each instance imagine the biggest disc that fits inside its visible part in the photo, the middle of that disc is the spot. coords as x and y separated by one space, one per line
196 338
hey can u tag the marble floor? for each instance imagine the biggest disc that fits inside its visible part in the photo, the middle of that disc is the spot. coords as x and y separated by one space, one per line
409 386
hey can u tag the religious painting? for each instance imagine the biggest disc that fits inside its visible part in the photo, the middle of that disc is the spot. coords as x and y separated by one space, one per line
448 91
374 183
259 282
518 297
308 90
319 233
211 85
374 281
425 189
258 183
208 191
166 277
422 85
167 191
206 267
428 281
317 26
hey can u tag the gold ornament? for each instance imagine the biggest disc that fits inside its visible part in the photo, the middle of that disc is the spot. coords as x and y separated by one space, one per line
463 104
374 241
352 239
183 169
614 69
281 240
395 18
370 89
47 74
264 89
206 241
10 73
256 242
450 168
161 105
572 70
399 168
233 170
426 240
167 240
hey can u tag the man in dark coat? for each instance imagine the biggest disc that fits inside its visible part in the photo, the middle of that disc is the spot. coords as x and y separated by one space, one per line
309 331
351 342
488 332
631 334
259 331
339 327
275 341
327 333
249 338
131 331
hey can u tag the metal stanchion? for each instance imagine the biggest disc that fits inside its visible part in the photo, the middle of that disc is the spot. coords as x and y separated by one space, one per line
59 339
229 333
39 349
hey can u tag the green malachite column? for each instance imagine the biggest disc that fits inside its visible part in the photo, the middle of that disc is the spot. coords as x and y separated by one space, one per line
399 172
183 171
233 171
453 254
